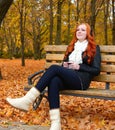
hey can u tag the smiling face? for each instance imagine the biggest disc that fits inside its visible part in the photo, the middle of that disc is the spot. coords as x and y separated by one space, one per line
81 32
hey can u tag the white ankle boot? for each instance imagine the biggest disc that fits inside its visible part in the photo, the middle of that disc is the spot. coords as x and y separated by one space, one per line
55 119
24 102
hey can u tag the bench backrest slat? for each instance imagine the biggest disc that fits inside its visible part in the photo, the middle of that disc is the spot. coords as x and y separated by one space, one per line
59 57
105 78
108 68
62 48
55 48
55 57
55 54
108 58
107 48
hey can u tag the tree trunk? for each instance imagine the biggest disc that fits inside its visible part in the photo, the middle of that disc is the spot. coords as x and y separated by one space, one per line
37 53
4 6
113 28
106 5
77 11
22 29
34 35
95 8
93 17
68 22
58 33
51 23
0 74
85 10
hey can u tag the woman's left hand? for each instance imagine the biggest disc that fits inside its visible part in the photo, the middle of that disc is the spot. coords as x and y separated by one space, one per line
74 66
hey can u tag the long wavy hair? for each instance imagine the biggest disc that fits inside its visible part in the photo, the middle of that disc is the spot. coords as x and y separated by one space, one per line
91 48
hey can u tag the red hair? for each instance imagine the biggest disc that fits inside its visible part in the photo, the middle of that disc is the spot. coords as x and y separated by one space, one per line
91 48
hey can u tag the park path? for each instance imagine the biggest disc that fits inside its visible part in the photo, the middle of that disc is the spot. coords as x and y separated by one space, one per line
19 126
25 127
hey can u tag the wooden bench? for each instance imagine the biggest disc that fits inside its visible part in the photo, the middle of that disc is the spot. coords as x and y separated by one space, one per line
55 54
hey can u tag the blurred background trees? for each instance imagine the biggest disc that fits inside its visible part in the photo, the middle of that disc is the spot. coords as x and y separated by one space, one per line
31 24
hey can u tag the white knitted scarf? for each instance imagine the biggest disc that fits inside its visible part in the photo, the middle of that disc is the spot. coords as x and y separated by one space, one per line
79 48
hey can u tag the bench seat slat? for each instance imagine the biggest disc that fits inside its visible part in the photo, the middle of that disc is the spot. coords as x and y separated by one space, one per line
91 91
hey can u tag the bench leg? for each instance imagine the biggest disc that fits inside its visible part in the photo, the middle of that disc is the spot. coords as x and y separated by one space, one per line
39 99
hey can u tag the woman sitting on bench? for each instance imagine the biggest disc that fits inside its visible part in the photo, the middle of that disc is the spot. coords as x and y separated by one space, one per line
81 63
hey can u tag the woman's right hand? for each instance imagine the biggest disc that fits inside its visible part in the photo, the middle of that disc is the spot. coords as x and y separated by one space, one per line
65 64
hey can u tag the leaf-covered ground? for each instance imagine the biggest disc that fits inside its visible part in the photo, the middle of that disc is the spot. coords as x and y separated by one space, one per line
76 113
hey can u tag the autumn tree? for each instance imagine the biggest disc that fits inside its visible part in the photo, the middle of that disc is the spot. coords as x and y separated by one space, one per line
113 25
35 32
58 31
95 8
51 22
38 27
22 28
68 22
85 10
77 10
4 6
106 7
8 39
0 74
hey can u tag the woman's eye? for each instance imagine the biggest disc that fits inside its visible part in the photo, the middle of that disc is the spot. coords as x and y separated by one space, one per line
80 30
83 29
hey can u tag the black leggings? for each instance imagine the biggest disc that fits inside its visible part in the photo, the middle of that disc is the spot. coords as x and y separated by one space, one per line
58 78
